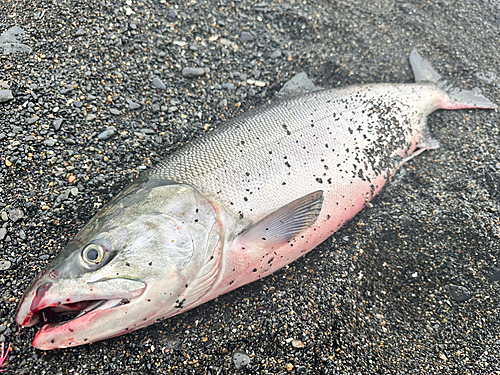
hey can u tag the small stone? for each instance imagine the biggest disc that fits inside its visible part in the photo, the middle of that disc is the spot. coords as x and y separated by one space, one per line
32 120
63 196
297 344
49 142
260 83
22 235
276 54
56 124
107 133
458 293
74 191
15 214
90 117
133 105
115 111
289 367
223 103
71 179
4 85
192 72
159 84
246 36
155 108
4 216
8 163
240 359
16 129
4 264
80 32
5 96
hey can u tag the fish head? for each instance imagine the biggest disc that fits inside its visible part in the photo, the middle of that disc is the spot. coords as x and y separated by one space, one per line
150 253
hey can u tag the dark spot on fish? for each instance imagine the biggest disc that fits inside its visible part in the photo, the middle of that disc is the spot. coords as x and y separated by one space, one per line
255 270
231 283
263 239
71 330
51 341
85 340
319 180
287 164
127 264
245 199
187 285
124 301
150 263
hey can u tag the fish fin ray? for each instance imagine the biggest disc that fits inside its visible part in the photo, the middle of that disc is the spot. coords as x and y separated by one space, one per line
285 223
457 98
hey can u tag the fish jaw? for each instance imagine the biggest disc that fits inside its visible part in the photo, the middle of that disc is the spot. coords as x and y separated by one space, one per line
46 300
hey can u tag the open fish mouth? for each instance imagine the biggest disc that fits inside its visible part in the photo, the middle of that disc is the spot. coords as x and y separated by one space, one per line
72 316
56 316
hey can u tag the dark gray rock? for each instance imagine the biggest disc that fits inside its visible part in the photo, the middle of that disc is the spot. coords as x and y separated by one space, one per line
192 72
5 96
158 83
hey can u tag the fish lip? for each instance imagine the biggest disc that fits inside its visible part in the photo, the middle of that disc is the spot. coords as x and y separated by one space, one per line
65 327
35 306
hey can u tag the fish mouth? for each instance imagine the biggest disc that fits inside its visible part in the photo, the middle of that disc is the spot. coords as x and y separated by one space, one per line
56 316
74 320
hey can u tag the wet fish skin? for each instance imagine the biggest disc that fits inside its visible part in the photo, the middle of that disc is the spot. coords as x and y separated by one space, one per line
235 206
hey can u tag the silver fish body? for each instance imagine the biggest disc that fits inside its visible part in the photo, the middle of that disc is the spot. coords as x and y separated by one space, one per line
234 206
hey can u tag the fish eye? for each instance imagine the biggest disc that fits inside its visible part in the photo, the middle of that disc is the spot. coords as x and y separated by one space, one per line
95 253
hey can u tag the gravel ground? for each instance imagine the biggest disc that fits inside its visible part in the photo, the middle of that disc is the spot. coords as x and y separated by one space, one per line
410 286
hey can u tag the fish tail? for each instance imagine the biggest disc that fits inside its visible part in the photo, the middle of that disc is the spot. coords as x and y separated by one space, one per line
456 98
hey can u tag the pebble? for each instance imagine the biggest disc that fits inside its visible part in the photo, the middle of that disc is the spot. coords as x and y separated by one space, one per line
49 142
300 83
155 108
158 83
80 32
133 105
459 293
4 216
90 117
15 214
298 344
3 233
4 264
115 111
5 96
32 120
276 54
246 36
56 124
240 359
107 133
192 72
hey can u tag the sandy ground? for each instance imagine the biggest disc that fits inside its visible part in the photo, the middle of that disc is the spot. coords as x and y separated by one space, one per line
410 286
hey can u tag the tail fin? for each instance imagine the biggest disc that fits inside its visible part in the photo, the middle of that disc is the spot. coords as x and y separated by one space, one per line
458 99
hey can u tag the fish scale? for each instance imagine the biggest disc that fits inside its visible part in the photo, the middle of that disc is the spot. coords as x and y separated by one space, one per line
234 206
277 154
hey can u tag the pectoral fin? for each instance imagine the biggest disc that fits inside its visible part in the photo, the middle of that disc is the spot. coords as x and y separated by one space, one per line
285 223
